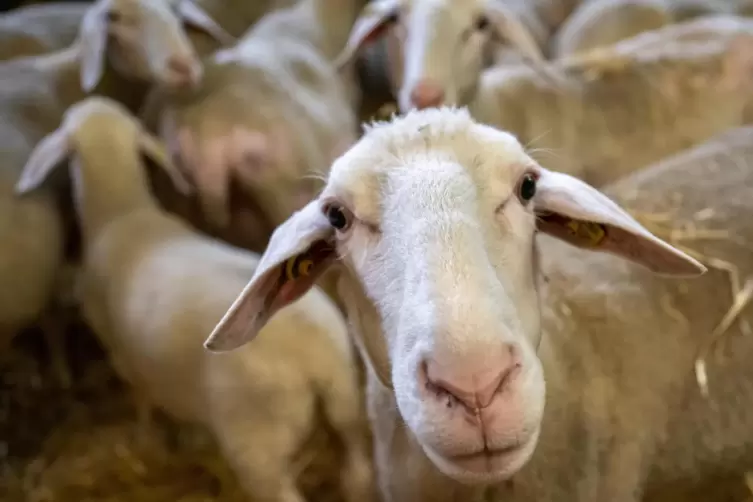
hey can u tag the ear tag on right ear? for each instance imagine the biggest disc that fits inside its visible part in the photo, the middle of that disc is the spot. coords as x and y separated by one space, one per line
592 232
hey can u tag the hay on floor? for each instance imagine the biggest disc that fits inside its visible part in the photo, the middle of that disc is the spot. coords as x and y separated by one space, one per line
85 443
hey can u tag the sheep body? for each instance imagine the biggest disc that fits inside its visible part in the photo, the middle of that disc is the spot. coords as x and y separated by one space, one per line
36 29
639 348
151 288
629 105
599 23
28 264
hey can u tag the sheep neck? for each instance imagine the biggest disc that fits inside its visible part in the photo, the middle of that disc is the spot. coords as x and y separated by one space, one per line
98 206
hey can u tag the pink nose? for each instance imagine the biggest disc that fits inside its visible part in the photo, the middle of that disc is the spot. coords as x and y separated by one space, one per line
183 71
427 94
472 388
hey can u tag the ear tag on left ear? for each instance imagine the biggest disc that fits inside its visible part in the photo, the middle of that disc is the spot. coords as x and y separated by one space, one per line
298 266
592 232
306 264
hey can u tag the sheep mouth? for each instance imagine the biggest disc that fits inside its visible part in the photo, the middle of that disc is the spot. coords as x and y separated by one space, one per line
489 453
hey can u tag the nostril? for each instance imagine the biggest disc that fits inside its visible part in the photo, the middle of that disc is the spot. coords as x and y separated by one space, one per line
427 94
471 388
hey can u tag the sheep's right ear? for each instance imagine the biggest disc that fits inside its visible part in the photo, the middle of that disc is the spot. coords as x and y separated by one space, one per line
157 151
49 153
93 38
299 252
195 15
371 24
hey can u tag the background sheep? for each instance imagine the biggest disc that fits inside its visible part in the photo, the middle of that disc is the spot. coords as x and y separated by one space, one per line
33 94
599 23
160 351
271 115
436 50
628 105
454 353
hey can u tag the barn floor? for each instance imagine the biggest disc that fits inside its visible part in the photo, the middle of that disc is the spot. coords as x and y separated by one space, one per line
85 444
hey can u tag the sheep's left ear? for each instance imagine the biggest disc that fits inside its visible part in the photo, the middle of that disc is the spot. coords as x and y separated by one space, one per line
507 25
51 151
299 252
371 24
571 210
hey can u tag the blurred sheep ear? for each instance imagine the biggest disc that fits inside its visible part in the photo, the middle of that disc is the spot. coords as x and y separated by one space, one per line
93 39
157 151
571 210
507 25
299 252
194 15
371 24
49 153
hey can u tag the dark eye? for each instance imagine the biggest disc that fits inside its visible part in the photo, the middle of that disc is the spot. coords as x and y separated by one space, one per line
337 216
391 19
527 187
113 16
482 23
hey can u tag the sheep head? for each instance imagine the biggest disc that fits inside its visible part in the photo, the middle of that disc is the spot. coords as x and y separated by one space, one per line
433 218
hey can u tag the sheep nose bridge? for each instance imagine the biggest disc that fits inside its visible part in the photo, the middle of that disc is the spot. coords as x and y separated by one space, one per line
427 46
168 38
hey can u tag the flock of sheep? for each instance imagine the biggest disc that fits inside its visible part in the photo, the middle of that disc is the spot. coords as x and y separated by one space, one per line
159 154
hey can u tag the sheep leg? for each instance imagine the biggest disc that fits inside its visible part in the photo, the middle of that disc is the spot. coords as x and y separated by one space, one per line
264 477
342 408
144 416
259 449
53 325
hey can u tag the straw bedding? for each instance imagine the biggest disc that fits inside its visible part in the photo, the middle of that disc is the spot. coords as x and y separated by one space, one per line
86 444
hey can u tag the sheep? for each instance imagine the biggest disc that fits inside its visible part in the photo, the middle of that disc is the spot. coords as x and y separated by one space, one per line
146 43
460 343
37 29
631 104
260 403
436 49
237 16
599 23
271 112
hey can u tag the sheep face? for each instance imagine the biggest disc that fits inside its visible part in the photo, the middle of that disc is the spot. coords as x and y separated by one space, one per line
91 132
144 40
434 219
437 49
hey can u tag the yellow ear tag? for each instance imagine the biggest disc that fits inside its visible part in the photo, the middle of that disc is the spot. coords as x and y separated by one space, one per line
592 232
298 266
